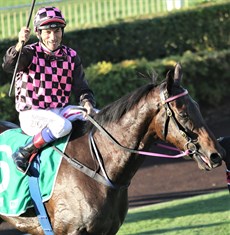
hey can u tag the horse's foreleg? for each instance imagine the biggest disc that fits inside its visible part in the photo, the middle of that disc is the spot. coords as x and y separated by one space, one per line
225 143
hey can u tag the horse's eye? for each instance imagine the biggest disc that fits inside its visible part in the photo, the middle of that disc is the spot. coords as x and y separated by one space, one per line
183 115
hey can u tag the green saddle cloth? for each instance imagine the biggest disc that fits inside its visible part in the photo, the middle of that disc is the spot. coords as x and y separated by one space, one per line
15 197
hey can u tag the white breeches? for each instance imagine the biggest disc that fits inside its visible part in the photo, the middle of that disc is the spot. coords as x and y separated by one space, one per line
57 120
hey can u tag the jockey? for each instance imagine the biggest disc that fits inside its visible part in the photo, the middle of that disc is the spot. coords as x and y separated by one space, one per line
48 73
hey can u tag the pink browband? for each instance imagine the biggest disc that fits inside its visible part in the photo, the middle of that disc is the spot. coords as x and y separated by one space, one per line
175 97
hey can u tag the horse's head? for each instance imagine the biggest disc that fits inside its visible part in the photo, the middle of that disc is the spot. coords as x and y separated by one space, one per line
180 122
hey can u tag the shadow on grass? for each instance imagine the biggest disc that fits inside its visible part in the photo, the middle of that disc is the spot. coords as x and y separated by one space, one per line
200 206
149 199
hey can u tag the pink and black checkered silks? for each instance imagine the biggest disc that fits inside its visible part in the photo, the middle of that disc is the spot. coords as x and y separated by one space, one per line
47 83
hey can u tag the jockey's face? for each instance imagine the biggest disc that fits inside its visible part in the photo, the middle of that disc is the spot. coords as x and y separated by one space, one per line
51 38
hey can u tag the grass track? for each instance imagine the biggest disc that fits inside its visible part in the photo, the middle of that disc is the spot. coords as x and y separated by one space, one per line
200 215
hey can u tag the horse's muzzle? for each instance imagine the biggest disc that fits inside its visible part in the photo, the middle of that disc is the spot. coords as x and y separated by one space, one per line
216 160
205 163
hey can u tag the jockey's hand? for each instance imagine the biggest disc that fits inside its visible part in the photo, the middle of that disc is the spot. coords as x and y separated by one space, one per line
23 37
90 110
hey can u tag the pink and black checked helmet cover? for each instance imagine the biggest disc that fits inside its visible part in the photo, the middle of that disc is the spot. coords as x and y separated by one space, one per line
48 17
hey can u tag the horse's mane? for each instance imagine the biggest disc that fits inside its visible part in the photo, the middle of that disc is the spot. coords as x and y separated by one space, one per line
114 111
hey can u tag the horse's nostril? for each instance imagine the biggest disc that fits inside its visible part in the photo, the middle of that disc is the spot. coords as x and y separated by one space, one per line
215 158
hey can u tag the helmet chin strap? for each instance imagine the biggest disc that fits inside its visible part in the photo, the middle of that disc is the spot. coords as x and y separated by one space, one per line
38 32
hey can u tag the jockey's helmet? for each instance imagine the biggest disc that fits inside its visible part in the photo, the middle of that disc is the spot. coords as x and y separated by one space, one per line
49 17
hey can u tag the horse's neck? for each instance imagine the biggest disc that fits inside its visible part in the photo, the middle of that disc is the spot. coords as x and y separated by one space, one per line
131 128
129 131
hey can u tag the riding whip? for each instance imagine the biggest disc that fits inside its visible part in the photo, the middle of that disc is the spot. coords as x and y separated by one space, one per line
20 51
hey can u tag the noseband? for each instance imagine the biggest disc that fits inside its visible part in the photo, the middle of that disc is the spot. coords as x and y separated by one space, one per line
165 100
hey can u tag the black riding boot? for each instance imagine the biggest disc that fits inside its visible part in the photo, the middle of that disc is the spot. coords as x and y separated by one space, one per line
24 155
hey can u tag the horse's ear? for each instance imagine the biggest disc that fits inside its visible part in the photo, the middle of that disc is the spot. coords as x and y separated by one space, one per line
170 81
178 74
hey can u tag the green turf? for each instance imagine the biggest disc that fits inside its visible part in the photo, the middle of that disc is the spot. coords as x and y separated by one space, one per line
200 215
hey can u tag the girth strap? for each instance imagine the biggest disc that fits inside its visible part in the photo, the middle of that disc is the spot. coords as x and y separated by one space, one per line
37 199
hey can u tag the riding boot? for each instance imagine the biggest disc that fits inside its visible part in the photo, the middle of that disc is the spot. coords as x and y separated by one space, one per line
24 155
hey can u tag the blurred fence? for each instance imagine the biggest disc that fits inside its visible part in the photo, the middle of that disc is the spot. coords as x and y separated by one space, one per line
83 14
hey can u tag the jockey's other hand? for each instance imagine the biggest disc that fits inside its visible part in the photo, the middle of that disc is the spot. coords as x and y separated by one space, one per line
90 110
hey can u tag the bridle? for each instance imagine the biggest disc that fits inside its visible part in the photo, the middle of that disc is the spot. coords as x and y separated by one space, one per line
191 144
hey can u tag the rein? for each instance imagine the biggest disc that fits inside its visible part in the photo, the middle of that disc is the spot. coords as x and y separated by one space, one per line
114 141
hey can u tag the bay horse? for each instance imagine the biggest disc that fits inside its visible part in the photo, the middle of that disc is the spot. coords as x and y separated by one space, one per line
80 205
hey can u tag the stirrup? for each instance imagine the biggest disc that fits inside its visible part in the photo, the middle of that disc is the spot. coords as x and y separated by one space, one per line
23 170
23 166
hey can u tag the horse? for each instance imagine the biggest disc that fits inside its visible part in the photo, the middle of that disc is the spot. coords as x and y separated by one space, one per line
80 204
